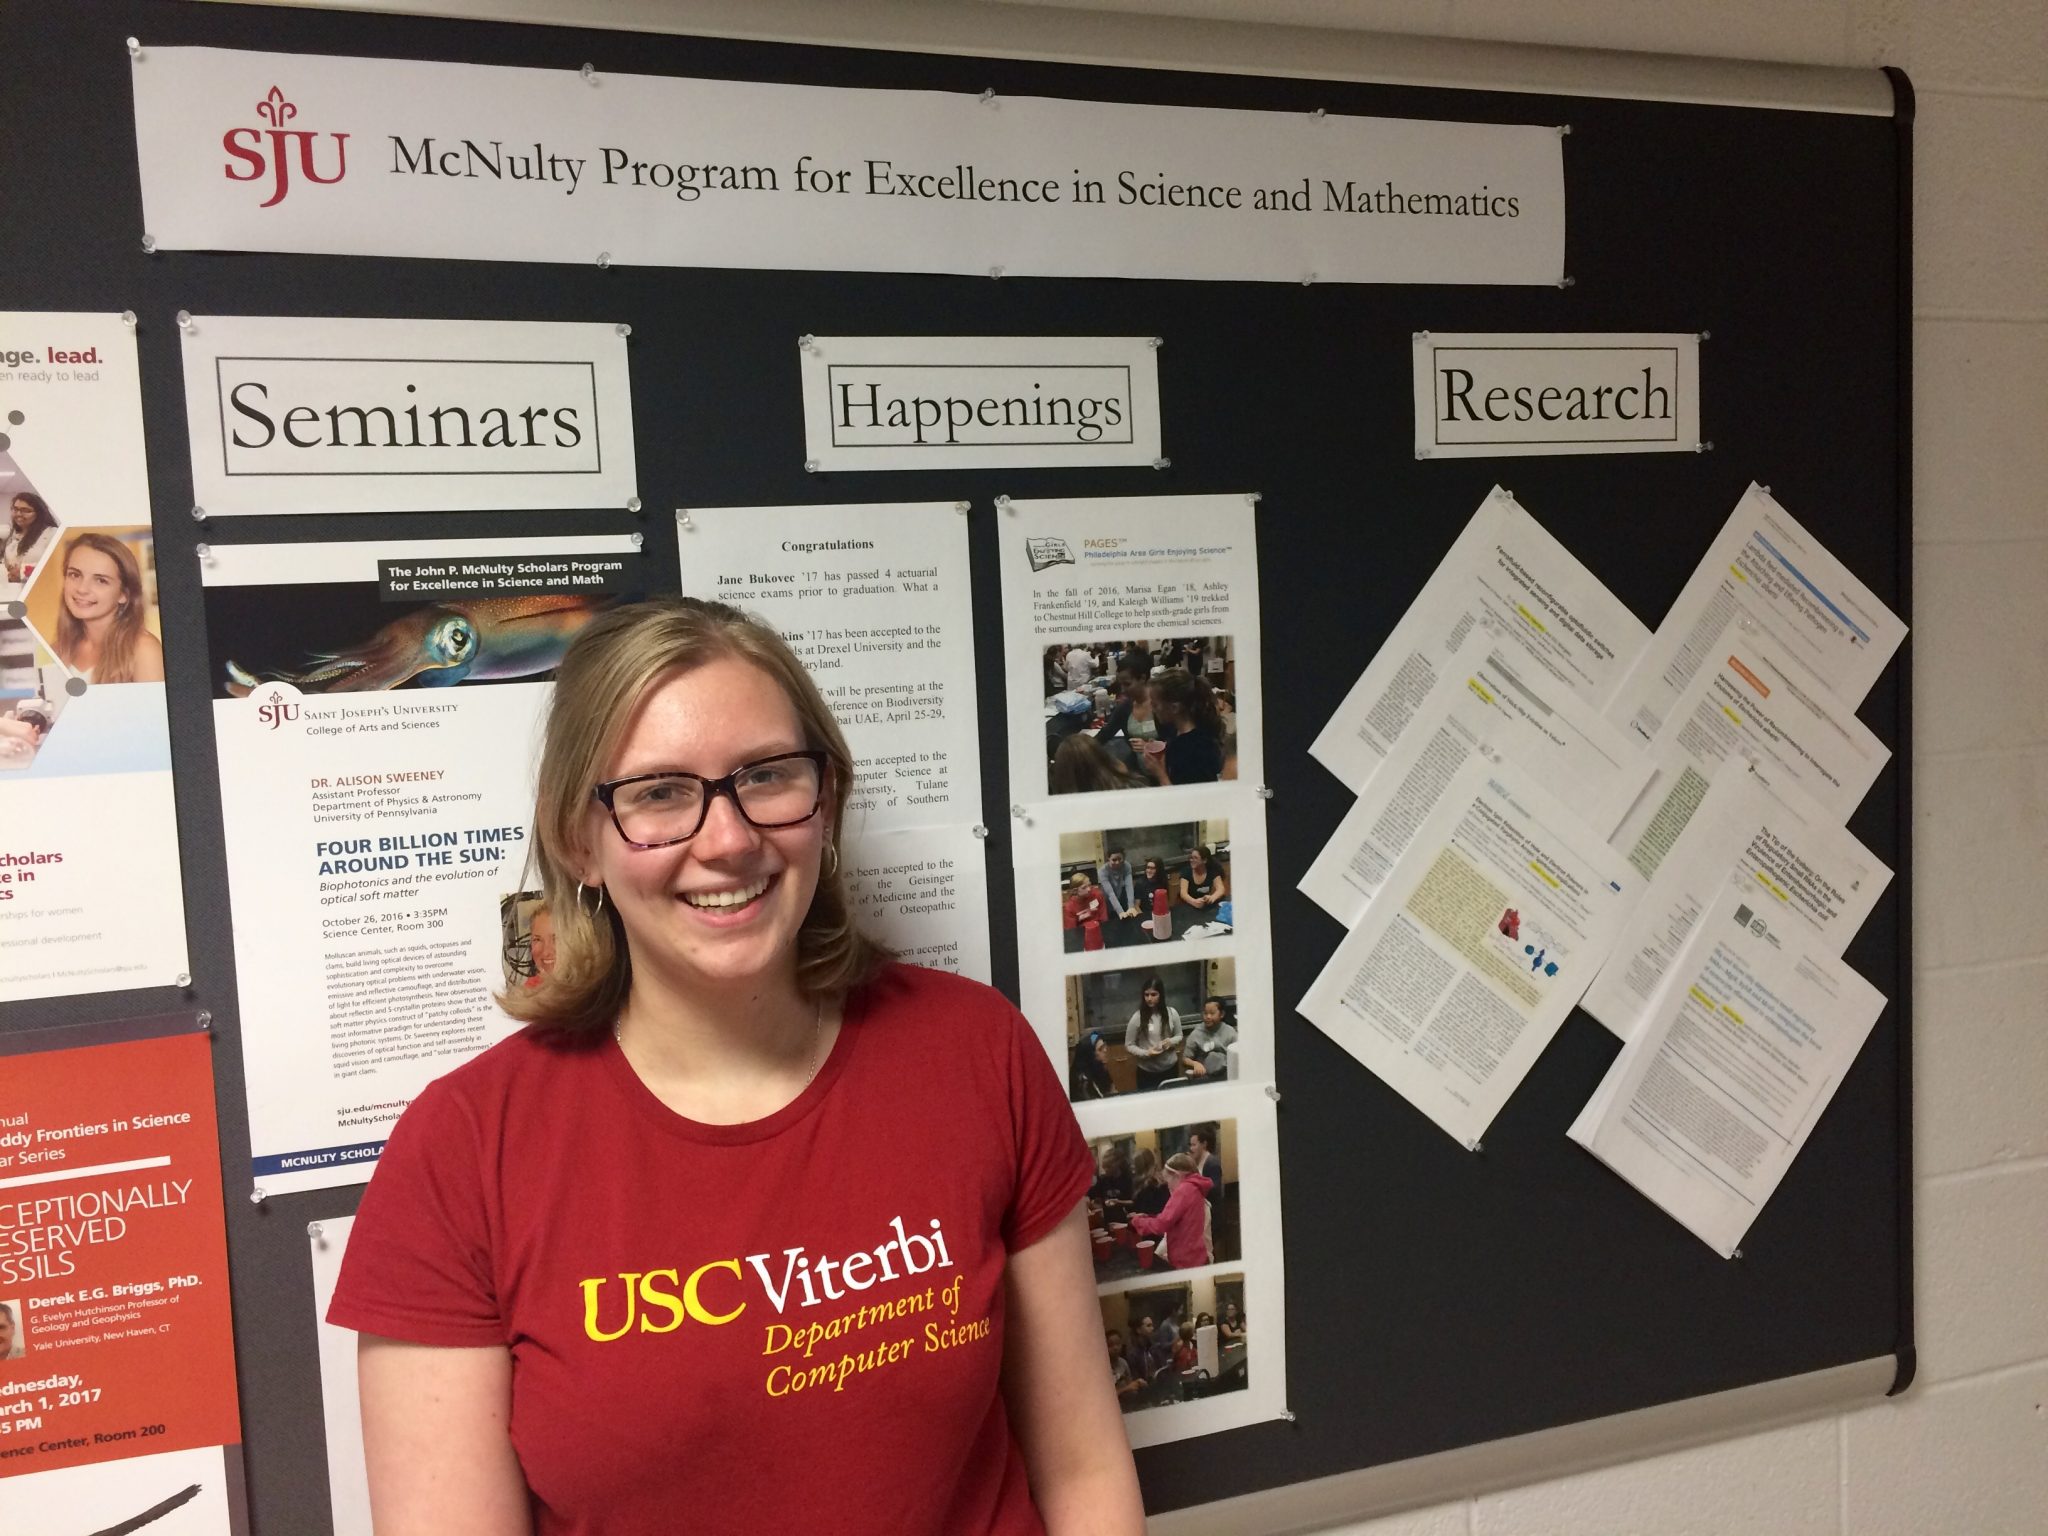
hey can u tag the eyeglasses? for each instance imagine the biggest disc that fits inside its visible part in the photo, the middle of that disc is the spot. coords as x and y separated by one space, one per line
652 810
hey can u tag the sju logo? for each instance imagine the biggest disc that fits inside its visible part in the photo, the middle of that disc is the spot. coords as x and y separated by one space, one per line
276 709
254 153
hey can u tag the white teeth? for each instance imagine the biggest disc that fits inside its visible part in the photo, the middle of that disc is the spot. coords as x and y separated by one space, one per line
716 899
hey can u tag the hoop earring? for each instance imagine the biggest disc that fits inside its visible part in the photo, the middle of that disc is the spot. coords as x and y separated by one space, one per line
596 911
831 860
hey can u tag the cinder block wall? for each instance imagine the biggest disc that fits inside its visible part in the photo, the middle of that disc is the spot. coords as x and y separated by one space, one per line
1966 1451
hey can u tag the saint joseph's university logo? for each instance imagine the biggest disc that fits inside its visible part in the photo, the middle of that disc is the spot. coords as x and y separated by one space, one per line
254 153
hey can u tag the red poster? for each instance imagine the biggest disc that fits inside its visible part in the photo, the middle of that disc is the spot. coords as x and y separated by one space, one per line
116 1343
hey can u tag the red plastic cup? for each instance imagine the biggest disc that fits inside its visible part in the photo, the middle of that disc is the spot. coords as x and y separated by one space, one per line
1145 1253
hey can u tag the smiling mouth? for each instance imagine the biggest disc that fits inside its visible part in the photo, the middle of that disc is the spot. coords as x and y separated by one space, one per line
727 901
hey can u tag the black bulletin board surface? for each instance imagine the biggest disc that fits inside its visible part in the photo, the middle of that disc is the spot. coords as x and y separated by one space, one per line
1437 1298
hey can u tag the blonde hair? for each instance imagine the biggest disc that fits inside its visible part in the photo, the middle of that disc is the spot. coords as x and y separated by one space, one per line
116 663
607 672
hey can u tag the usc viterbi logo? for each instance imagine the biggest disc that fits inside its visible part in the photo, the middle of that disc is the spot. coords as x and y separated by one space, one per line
254 153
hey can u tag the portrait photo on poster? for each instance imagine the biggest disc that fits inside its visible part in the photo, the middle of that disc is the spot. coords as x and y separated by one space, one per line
1151 1025
94 603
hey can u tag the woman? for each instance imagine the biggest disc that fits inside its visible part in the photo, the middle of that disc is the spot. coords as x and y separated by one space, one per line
1190 729
1230 1327
101 633
31 530
1203 1053
1154 894
1203 887
1148 1190
581 1266
1131 715
1152 1037
1088 1076
1084 911
1184 1222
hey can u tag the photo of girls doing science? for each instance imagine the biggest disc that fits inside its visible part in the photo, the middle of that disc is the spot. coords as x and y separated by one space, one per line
1150 1027
1177 1343
1165 1199
703 1015
1124 887
1136 714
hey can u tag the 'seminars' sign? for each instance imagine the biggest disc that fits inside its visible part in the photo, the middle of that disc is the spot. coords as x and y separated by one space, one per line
256 154
299 415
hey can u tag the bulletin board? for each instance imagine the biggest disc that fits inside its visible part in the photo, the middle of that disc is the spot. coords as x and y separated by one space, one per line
1437 1298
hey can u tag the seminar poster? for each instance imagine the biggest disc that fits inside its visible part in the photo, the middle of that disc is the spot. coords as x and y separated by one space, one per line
90 899
377 706
117 1366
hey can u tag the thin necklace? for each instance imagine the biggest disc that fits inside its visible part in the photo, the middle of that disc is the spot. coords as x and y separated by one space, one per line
817 1034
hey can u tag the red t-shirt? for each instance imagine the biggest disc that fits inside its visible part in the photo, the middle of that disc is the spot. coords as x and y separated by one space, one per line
739 1328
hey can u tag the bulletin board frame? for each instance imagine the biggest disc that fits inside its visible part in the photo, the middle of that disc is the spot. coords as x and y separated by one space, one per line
1457 1320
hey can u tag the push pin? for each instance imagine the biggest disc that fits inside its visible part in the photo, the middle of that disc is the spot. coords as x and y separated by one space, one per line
1564 130
807 343
963 506
632 503
1287 1414
1004 504
623 329
1308 279
589 74
683 518
1736 1254
198 514
182 980
638 539
1253 498
1479 1147
1162 463
995 271
128 318
1155 342
316 1232
1318 114
1422 335
1706 336
1704 446
988 95
258 1195
1567 282
135 49
979 830
204 1018
185 321
148 244
1264 791
1272 1093
204 552
604 259
810 466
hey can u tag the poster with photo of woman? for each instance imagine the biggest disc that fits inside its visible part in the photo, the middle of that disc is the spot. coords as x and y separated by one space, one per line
90 886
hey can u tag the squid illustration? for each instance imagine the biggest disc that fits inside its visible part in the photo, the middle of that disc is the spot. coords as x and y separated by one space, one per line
486 640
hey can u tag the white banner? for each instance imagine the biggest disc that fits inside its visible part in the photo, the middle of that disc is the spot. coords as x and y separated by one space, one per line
979 402
396 157
1507 396
90 894
308 415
